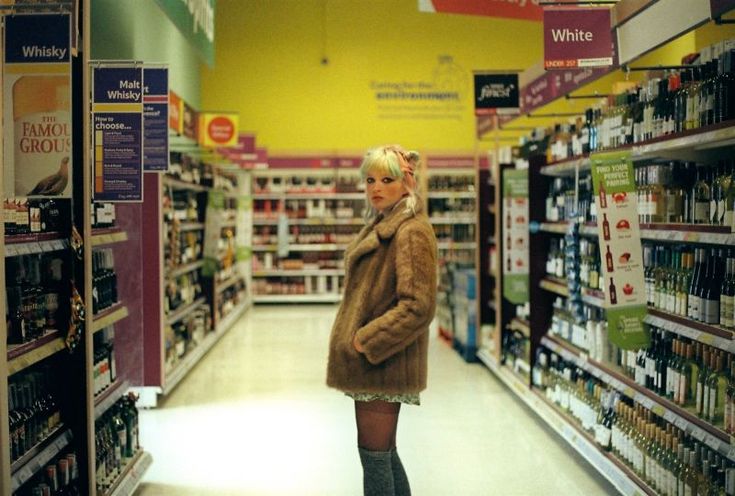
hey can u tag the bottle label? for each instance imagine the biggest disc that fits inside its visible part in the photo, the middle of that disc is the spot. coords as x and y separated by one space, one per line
711 311
712 410
701 212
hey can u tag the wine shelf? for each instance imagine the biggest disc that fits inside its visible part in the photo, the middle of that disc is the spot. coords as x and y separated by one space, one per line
452 194
222 286
34 244
109 397
671 233
307 247
453 220
38 456
520 325
132 475
704 432
191 226
183 269
698 331
183 185
567 168
102 237
298 273
336 221
109 316
710 137
179 314
34 352
613 472
298 298
287 195
451 245
559 286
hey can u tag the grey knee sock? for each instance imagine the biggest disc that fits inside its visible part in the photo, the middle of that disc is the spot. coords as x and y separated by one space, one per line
400 480
377 478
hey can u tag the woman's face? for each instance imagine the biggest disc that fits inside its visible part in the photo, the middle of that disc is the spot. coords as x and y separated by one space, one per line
384 191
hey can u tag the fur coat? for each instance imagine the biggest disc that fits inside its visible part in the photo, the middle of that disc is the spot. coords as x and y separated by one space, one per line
389 302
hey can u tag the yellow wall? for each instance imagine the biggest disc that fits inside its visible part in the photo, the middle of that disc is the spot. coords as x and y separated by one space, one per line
268 68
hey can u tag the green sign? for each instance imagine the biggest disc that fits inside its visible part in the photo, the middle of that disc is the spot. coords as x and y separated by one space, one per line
515 236
195 20
620 248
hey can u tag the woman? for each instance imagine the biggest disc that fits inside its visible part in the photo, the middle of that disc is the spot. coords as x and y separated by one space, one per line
379 341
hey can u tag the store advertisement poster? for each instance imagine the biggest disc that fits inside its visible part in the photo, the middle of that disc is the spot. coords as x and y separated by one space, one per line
155 119
175 111
213 232
37 132
190 122
515 236
496 91
577 37
620 249
117 120
218 129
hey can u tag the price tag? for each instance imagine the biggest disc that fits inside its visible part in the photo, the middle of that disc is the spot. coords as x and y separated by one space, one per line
23 249
59 244
706 338
11 250
36 247
658 410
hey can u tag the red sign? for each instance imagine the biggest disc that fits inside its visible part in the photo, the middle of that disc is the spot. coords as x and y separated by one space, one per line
218 129
191 122
174 111
555 84
526 10
577 37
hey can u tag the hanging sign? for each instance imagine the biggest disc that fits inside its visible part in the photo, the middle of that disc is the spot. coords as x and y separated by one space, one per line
37 105
577 37
175 111
190 122
719 7
515 235
513 9
117 121
195 20
495 91
620 248
155 119
218 129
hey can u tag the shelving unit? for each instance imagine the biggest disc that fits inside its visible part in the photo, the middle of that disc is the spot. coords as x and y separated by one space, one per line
704 145
210 289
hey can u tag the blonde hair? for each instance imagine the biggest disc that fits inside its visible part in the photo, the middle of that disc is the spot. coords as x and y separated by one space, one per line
395 162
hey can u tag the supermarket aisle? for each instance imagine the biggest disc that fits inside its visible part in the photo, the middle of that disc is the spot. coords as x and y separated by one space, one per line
254 418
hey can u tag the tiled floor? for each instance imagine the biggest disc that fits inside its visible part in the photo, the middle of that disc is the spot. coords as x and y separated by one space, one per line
255 418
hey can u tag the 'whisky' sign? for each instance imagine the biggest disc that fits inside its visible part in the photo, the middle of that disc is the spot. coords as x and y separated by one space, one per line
37 105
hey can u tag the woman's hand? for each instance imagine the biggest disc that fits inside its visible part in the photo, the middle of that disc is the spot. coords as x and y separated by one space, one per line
357 345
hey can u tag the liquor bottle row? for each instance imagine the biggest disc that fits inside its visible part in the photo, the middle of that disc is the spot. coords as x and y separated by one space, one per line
588 334
183 247
308 184
34 291
181 206
339 234
589 268
58 478
33 411
698 283
229 299
116 442
35 215
182 290
186 168
103 215
664 456
560 205
459 233
298 285
685 192
309 209
680 100
453 183
104 370
104 279
186 334
309 260
447 207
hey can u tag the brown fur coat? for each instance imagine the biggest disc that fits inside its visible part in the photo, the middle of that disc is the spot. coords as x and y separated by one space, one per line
389 302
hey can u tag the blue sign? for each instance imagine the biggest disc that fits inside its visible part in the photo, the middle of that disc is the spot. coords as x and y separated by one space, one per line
118 134
155 119
37 38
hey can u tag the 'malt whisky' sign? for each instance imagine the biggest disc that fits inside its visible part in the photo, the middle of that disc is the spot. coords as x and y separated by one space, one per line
620 248
37 105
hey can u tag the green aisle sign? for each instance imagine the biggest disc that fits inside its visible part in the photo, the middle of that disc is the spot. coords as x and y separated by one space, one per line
620 249
515 236
195 20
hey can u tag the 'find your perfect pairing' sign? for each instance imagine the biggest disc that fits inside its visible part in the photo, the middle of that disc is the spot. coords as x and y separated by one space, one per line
577 37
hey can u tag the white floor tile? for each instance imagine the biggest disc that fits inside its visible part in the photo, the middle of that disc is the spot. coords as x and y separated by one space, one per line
255 418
